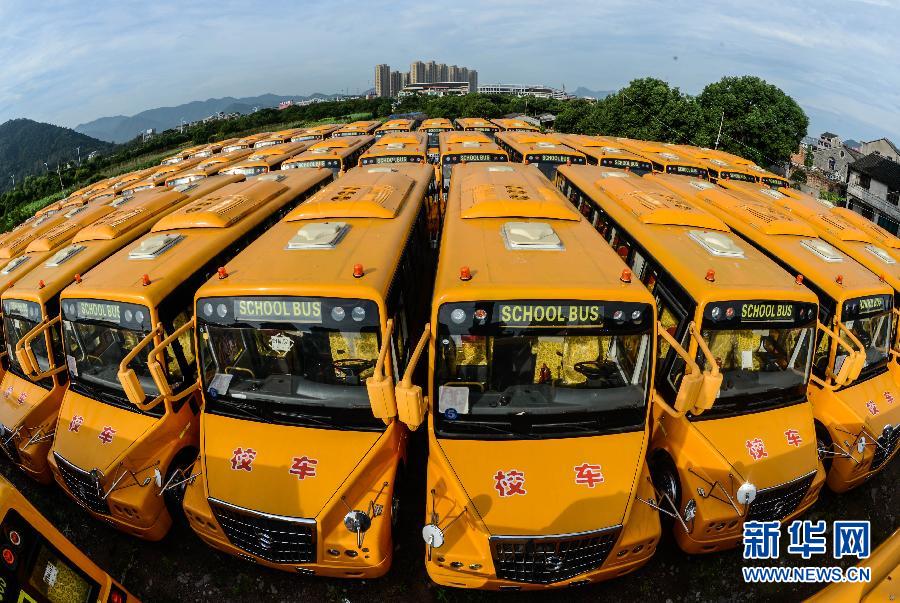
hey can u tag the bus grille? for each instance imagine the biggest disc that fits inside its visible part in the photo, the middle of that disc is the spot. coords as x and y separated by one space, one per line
270 537
549 559
82 486
887 443
8 444
777 502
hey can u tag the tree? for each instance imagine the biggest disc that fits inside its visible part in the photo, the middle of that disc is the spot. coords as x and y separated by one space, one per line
808 157
759 121
648 109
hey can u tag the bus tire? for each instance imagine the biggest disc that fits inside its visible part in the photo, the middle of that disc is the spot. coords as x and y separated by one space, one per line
174 497
664 476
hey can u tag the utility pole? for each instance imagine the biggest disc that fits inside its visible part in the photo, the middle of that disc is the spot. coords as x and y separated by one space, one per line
720 129
78 151
13 178
59 173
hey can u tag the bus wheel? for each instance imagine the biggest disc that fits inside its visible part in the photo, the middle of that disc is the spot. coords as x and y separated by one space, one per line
824 445
178 471
664 476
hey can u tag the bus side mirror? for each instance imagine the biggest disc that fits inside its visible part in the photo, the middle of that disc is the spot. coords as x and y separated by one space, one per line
127 377
411 406
856 357
690 389
24 362
712 378
379 387
26 356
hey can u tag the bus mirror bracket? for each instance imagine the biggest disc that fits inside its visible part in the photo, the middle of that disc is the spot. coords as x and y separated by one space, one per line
895 344
712 377
857 360
155 363
127 377
411 405
691 382
379 387
23 348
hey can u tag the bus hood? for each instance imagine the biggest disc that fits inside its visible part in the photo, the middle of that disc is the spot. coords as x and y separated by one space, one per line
93 435
875 401
766 448
258 466
560 486
17 399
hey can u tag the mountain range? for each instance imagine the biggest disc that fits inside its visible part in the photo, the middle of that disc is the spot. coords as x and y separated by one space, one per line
25 145
583 92
122 128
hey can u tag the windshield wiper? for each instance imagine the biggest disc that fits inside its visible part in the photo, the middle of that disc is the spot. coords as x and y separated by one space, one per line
316 419
240 407
449 425
573 425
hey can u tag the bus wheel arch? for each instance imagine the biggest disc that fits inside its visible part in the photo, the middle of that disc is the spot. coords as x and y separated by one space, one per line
183 460
666 481
824 445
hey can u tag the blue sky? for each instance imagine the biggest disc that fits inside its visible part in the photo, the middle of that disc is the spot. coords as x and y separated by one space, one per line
70 62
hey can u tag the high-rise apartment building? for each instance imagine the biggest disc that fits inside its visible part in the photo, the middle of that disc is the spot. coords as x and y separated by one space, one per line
443 74
473 80
382 80
416 72
453 73
431 71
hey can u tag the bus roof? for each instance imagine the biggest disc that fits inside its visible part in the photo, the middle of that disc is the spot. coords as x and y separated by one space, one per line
456 141
686 239
362 218
269 156
496 212
133 217
790 240
463 123
880 235
398 143
356 128
435 123
515 125
333 147
192 236
719 161
404 125
599 147
210 166
658 152
323 130
856 242
536 142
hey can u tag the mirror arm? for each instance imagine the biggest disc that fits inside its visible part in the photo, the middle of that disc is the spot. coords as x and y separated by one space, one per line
123 366
155 362
414 359
378 373
704 349
24 345
691 364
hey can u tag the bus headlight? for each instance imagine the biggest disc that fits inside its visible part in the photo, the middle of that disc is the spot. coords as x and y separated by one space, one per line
358 313
433 536
338 313
358 523
861 444
690 510
746 494
221 310
458 316
207 309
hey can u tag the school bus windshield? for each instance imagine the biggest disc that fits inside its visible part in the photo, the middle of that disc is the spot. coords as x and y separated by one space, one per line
274 359
530 370
97 337
874 333
755 361
20 317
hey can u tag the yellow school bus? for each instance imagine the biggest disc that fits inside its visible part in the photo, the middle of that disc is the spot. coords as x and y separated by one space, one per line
41 564
210 149
181 155
336 154
300 454
246 142
607 152
433 127
751 454
770 179
544 151
395 125
277 138
476 124
160 176
397 147
853 385
879 235
267 159
33 386
884 585
129 421
540 351
464 147
514 125
356 128
320 132
211 166
719 164
664 157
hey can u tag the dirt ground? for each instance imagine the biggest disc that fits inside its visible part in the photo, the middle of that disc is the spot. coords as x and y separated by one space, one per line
182 568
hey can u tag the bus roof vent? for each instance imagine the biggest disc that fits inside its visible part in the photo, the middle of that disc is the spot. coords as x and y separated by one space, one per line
771 192
517 199
719 162
154 246
64 255
669 156
218 211
543 144
74 212
616 174
394 146
500 168
701 185
717 243
845 230
15 263
270 177
187 187
383 199
661 207
881 254
773 222
43 218
319 235
120 201
531 236
112 225
54 237
471 144
823 250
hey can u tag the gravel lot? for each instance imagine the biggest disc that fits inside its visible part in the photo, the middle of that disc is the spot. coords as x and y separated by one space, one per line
182 568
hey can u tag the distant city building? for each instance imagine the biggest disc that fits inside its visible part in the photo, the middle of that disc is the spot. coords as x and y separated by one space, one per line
873 189
443 73
828 140
285 104
516 90
396 83
431 71
416 72
436 89
382 80
453 74
472 78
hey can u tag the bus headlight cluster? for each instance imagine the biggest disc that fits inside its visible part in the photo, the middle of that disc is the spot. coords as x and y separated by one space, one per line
338 313
220 309
129 315
718 313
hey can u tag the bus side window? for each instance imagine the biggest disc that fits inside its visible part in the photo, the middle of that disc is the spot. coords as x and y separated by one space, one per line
670 366
638 262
